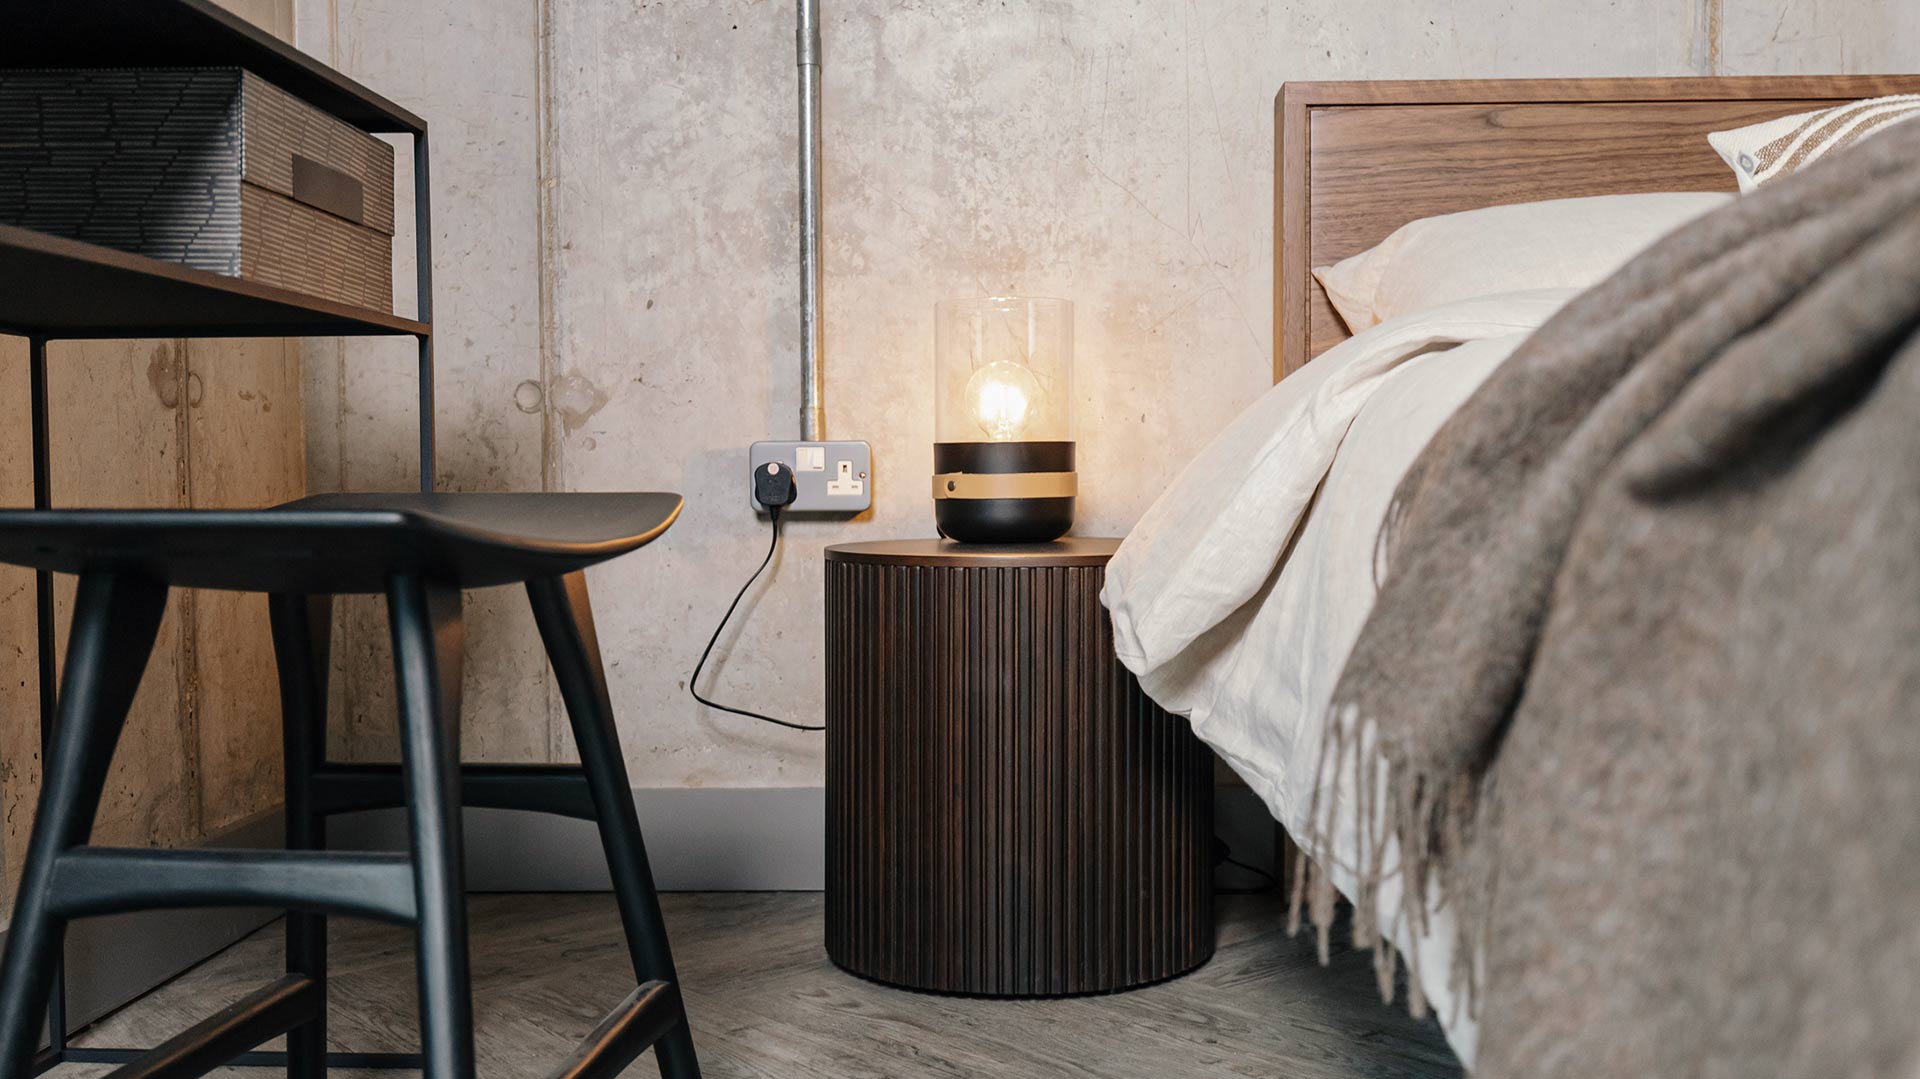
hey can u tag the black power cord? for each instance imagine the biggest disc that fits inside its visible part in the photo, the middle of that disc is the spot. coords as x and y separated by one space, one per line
1223 855
772 488
1272 882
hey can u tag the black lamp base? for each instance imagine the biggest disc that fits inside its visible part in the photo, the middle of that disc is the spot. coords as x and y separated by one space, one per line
1036 478
1003 520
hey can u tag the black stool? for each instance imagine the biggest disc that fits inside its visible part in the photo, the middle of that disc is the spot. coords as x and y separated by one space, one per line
420 550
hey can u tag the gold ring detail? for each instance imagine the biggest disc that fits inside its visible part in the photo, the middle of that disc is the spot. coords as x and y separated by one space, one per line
975 485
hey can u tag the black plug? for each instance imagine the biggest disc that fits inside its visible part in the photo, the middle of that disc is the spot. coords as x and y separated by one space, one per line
773 486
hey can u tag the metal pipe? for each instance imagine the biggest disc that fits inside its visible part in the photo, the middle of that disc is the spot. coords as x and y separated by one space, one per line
812 414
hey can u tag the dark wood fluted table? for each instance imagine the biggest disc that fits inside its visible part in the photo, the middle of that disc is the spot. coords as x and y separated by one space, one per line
1007 813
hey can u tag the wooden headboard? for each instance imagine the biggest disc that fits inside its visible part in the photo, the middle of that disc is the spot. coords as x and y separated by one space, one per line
1356 160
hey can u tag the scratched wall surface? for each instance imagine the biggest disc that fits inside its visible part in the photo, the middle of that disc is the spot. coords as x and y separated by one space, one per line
616 301
157 424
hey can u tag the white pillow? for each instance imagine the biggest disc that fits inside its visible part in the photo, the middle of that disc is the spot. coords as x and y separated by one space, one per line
1765 151
1562 243
1214 536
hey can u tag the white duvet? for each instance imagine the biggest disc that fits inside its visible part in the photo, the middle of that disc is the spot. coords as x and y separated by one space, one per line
1236 598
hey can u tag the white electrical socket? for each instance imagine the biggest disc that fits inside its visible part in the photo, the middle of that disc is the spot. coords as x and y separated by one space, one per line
844 483
828 477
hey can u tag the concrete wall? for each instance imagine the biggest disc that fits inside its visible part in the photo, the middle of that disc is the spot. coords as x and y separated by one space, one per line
615 249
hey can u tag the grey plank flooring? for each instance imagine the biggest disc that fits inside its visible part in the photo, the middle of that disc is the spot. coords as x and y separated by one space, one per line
765 1001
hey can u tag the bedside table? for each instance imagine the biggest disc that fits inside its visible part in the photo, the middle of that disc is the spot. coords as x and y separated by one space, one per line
1007 813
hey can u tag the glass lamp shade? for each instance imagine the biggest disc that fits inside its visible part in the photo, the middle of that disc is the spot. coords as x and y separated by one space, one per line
1003 419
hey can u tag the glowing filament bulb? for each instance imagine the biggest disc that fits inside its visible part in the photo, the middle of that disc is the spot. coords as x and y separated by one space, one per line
1002 395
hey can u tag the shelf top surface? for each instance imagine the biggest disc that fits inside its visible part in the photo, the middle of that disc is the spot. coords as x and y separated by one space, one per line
184 33
1071 551
59 288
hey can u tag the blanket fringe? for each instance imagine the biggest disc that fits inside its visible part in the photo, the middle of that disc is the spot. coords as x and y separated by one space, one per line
1408 822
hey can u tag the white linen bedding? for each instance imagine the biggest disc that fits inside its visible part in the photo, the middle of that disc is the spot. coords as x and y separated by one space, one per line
1236 598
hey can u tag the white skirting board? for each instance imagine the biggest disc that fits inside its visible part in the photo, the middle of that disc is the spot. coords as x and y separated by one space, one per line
722 839
747 839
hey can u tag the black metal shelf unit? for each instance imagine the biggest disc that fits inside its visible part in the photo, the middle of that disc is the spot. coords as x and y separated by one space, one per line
56 289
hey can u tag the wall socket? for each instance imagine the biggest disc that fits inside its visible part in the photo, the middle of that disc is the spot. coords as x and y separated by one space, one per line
828 477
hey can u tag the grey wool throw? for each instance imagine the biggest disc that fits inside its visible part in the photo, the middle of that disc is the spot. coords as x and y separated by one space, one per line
1640 695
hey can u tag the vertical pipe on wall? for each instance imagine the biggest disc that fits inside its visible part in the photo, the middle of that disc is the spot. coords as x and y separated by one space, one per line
812 414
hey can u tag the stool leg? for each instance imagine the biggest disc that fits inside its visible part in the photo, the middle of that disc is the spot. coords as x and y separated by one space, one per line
427 652
302 639
565 617
115 620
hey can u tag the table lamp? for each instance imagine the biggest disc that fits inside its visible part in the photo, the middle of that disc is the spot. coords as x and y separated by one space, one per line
1003 425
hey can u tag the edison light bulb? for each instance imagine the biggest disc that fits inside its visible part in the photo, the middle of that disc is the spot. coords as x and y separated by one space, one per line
1002 396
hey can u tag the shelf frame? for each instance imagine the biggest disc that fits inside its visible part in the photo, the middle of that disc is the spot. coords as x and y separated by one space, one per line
50 281
130 33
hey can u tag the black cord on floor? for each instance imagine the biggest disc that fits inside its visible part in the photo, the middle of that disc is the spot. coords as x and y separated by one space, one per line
1223 855
1272 882
693 684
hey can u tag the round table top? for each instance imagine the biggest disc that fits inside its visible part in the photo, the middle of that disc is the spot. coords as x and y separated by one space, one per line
1070 551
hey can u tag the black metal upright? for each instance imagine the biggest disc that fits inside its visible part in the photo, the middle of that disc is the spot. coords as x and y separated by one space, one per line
44 635
423 281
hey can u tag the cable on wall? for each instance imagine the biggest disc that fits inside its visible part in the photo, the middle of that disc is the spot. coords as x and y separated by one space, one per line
773 489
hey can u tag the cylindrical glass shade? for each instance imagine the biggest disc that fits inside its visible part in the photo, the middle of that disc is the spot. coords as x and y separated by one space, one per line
1003 423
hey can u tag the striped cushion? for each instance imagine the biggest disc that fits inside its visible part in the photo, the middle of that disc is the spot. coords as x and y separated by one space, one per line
1761 152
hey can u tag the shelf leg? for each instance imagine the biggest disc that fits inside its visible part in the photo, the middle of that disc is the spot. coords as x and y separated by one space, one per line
423 270
44 631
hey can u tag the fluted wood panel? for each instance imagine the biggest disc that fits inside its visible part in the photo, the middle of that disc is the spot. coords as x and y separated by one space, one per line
1007 813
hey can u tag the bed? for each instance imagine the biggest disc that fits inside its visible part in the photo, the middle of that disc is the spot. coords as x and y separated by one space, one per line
1249 643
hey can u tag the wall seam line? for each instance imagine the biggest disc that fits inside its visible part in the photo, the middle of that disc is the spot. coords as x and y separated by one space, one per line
1716 21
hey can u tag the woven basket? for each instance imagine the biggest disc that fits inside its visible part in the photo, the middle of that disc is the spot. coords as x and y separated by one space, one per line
214 168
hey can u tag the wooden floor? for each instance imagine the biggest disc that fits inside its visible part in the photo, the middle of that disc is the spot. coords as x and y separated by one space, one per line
765 1001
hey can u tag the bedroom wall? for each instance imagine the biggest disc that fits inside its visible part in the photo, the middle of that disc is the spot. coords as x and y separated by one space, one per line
615 256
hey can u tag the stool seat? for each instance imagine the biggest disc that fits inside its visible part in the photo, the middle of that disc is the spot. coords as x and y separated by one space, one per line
345 543
421 551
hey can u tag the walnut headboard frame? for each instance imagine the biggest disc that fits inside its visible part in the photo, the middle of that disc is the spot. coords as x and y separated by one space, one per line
1356 160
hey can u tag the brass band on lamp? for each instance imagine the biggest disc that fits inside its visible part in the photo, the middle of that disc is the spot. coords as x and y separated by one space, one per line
1006 485
1003 461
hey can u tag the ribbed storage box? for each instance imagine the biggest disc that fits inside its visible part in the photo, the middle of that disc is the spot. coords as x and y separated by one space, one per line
211 167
